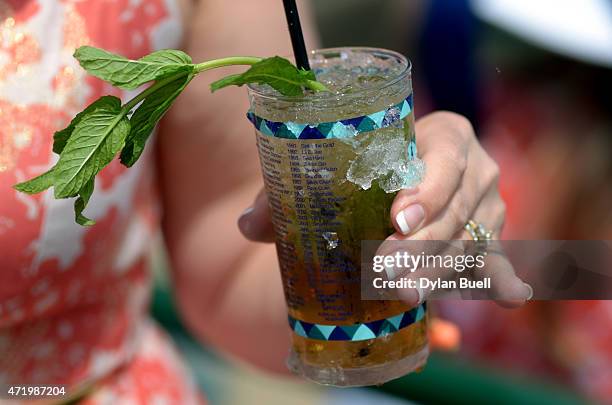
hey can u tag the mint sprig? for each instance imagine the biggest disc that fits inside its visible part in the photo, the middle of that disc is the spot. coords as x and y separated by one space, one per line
276 72
148 114
92 145
106 128
130 74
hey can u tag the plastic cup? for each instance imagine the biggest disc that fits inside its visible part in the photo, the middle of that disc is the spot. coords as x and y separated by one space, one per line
332 163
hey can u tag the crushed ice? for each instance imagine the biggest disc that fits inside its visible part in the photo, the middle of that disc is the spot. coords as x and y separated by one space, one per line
352 71
386 160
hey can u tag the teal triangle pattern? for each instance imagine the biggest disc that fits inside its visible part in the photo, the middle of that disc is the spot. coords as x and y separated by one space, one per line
295 129
264 129
298 329
350 329
363 333
325 128
335 129
358 331
387 328
367 125
405 110
395 320
326 330
315 333
412 150
340 131
284 132
378 117
420 314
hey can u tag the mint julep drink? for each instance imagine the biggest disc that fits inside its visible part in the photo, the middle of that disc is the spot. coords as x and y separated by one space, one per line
332 164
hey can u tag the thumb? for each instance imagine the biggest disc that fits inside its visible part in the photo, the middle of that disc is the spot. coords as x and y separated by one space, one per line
255 223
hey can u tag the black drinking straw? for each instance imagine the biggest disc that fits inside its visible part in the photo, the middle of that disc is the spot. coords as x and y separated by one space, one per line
297 36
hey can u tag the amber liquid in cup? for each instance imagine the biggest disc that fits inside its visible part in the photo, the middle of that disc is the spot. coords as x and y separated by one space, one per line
332 163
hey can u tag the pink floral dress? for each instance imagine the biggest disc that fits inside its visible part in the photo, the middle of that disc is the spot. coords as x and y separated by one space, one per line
73 300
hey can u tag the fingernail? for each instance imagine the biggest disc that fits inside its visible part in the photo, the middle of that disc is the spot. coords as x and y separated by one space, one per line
247 212
409 219
243 223
421 294
391 274
529 292
413 296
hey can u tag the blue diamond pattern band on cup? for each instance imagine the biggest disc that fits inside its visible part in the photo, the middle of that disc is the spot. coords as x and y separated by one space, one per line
358 331
337 129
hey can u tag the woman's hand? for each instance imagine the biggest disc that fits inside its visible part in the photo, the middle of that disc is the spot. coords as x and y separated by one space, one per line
461 183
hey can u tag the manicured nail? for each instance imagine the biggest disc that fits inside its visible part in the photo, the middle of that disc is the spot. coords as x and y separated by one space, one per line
391 274
244 223
413 296
409 219
529 292
247 212
422 294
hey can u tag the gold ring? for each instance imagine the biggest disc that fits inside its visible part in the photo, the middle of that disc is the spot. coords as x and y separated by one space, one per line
481 236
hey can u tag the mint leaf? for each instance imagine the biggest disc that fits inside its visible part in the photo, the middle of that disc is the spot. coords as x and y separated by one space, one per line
81 202
146 117
130 74
37 184
94 142
95 135
60 138
276 72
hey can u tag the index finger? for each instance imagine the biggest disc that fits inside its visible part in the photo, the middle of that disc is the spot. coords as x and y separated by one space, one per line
443 140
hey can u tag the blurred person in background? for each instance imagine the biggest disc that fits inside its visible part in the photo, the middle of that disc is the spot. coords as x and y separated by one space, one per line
73 300
538 83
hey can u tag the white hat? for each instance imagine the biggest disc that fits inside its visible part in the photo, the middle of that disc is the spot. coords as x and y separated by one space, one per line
580 29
